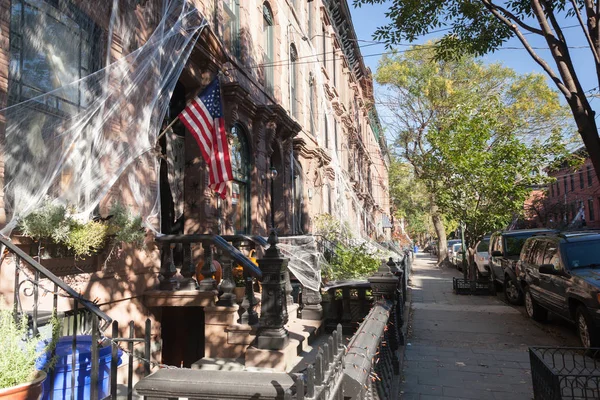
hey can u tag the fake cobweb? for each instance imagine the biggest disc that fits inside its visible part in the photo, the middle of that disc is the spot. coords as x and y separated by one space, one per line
77 130
84 133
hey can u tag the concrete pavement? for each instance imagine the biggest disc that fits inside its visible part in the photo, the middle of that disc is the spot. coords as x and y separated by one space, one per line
466 347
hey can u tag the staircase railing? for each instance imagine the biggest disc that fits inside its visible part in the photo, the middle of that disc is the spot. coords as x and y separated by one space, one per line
82 327
39 270
228 254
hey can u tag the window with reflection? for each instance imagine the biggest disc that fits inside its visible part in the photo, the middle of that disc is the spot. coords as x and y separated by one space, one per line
231 26
293 80
52 44
268 45
240 186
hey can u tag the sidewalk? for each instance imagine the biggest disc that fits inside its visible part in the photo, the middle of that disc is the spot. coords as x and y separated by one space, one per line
465 347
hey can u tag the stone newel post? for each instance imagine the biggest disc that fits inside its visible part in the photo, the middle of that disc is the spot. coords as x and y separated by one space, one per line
271 334
384 283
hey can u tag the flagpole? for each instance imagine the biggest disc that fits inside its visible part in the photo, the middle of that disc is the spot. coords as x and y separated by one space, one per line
166 129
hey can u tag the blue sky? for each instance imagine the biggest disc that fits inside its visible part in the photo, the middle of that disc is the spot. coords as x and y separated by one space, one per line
367 18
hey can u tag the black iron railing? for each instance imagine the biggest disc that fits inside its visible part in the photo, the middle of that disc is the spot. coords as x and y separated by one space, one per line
227 250
563 373
82 324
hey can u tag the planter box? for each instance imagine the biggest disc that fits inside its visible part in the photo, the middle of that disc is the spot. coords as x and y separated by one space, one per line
60 266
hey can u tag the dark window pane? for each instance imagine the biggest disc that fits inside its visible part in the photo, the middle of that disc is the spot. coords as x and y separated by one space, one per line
581 179
591 209
572 183
514 244
583 254
589 175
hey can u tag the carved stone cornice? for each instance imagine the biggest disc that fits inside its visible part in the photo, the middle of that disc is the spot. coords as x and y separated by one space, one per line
337 106
329 91
286 126
233 92
330 173
348 123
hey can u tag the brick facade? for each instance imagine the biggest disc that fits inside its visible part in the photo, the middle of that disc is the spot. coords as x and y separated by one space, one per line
571 190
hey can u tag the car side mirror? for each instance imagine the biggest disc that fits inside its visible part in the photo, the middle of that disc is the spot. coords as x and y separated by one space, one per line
548 269
496 253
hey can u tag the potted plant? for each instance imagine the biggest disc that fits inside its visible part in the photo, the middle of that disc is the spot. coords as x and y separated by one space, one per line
20 379
64 244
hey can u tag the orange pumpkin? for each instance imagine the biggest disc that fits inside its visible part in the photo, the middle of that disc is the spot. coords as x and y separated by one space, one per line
218 273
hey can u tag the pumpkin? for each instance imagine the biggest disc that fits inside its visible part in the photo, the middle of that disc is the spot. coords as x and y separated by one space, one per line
218 273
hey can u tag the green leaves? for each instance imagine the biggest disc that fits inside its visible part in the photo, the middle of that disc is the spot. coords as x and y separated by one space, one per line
476 136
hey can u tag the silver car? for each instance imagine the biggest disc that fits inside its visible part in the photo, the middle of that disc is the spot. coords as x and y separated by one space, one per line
482 256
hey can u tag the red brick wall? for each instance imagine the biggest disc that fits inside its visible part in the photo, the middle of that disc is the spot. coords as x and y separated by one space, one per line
574 193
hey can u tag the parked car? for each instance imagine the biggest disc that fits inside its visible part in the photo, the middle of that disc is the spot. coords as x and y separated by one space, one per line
562 275
451 244
505 248
457 255
482 257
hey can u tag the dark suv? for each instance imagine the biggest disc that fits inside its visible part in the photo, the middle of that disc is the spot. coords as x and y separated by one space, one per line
562 275
505 247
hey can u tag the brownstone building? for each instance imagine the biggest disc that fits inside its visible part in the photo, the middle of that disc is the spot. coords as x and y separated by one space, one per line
304 134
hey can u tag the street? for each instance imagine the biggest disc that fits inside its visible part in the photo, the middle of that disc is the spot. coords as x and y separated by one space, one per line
469 347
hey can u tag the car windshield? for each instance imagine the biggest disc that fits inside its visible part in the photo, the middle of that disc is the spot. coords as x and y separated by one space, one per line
456 247
514 244
452 242
584 254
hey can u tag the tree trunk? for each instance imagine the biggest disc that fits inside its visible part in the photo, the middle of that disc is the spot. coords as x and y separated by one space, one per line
440 231
586 125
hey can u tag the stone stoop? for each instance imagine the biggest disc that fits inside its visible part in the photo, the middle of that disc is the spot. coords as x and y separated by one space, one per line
301 333
231 339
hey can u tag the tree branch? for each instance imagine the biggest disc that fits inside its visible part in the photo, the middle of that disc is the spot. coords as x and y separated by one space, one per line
541 62
587 36
516 19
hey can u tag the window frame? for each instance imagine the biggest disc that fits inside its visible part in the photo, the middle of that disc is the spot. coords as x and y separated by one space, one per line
96 36
243 178
269 48
234 14
294 81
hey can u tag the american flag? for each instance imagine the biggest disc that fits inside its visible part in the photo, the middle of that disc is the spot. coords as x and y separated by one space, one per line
204 119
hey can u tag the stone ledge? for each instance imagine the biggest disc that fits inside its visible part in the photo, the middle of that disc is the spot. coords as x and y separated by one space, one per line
179 298
240 334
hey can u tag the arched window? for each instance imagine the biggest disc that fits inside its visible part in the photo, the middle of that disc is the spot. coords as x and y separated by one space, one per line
231 26
293 83
240 186
268 38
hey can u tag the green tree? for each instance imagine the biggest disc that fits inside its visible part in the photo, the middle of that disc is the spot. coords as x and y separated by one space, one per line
479 27
410 199
476 136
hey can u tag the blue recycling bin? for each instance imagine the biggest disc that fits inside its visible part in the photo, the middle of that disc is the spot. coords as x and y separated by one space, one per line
61 373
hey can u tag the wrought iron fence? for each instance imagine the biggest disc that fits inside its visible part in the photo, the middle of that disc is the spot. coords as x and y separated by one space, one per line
565 373
81 339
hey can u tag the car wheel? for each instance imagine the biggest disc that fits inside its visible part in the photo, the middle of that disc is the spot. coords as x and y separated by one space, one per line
511 292
534 310
588 334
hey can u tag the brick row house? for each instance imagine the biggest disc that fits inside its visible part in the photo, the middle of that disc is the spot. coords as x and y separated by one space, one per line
299 112
572 200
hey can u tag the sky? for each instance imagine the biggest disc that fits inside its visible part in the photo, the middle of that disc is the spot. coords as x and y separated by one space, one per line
369 17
